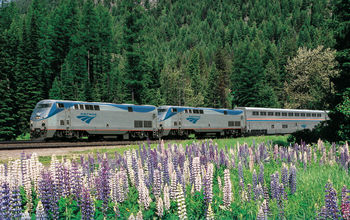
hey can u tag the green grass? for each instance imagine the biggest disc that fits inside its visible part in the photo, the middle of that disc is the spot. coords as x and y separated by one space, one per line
23 137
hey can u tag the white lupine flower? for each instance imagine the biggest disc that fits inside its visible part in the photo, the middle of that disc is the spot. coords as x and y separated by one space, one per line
166 197
181 203
129 167
173 185
139 215
160 207
198 183
219 183
131 217
210 213
186 172
227 188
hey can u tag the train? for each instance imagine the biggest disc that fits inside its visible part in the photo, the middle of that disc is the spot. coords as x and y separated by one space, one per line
74 120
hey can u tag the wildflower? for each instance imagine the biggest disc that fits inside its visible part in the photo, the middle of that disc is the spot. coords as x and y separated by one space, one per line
87 205
293 179
227 188
166 197
181 203
160 207
210 213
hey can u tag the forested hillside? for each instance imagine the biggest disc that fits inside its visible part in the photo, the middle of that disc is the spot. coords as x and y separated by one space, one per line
198 53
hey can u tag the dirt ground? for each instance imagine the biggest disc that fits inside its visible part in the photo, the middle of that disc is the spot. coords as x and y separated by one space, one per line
5 154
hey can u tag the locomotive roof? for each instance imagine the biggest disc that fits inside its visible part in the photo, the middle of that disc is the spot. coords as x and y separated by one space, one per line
280 109
55 100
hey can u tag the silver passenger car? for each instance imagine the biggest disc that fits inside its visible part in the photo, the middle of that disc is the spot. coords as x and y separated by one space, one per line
183 121
75 119
280 121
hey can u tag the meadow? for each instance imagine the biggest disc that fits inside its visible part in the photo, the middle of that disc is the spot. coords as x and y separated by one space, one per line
244 178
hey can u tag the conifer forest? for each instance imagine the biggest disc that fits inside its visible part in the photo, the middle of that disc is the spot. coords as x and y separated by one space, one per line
290 54
258 53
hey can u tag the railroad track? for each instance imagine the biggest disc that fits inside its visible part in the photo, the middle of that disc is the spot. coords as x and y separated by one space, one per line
16 145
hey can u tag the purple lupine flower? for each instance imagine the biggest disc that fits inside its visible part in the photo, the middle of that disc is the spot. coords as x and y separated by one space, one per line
208 184
40 213
75 180
102 184
240 171
332 210
261 214
280 200
258 192
284 174
274 185
157 183
48 195
345 203
16 203
266 200
86 205
293 179
5 201
165 166
261 174
249 192
254 179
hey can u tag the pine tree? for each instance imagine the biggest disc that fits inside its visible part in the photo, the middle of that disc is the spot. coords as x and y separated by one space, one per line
8 48
133 37
339 126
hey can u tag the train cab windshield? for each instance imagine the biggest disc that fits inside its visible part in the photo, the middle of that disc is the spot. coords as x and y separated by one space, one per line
44 105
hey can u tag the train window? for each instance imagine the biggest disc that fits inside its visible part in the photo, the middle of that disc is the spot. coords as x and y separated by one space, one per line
190 111
47 105
97 108
302 114
67 122
308 114
231 123
313 114
147 124
175 123
263 113
284 113
255 113
61 122
81 107
272 126
296 114
76 106
130 109
186 111
278 113
180 123
270 113
319 115
284 126
201 111
174 109
225 112
237 123
290 113
89 107
138 124
60 105
195 111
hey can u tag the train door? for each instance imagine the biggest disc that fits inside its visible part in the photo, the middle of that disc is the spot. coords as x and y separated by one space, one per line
67 116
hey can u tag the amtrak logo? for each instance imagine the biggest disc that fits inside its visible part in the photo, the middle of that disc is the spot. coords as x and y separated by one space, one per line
86 117
193 119
303 126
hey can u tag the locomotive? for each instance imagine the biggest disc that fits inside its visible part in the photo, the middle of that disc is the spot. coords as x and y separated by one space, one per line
63 119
